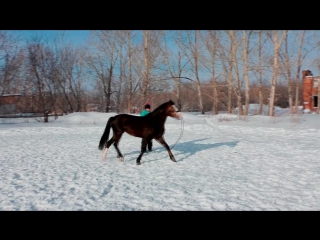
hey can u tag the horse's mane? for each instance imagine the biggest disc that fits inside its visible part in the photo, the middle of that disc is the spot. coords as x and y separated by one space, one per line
163 106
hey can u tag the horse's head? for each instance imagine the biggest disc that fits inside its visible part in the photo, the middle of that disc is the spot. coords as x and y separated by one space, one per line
173 111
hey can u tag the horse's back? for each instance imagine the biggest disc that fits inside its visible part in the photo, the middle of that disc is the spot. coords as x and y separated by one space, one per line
128 121
133 125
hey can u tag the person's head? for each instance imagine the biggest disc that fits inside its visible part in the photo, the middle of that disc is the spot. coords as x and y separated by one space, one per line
147 106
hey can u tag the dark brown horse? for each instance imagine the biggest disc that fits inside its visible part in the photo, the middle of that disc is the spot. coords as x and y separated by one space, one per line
147 127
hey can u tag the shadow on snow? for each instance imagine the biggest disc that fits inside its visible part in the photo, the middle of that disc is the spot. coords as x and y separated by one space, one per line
192 147
186 148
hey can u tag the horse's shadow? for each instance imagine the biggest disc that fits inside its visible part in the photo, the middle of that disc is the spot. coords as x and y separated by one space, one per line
186 148
190 148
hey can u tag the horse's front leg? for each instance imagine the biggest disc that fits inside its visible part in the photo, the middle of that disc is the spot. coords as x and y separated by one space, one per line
163 143
143 149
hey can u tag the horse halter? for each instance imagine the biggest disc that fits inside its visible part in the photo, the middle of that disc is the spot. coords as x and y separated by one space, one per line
176 114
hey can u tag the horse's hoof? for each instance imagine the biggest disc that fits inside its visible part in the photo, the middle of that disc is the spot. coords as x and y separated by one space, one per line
138 163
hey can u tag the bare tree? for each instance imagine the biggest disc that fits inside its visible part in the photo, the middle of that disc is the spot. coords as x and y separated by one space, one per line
288 69
245 65
40 61
188 43
234 62
196 68
122 64
293 58
70 77
211 44
277 45
225 56
146 66
299 64
260 72
102 61
146 80
11 61
130 85
131 66
175 68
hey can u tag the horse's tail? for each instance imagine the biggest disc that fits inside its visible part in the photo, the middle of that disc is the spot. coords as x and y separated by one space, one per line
105 135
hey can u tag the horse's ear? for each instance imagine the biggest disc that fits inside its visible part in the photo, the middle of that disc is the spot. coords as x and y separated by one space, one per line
171 102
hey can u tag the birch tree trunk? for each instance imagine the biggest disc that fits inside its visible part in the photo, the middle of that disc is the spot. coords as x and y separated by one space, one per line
189 45
246 74
211 44
214 82
299 64
195 57
178 82
230 79
277 45
130 92
235 66
121 69
146 65
288 68
175 76
260 72
107 87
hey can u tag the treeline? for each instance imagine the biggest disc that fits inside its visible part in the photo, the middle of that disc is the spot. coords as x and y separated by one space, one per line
120 70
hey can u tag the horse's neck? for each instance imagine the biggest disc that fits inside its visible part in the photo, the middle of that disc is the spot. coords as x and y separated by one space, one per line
159 117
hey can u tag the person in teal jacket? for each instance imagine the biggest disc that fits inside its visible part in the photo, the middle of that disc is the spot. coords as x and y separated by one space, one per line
146 111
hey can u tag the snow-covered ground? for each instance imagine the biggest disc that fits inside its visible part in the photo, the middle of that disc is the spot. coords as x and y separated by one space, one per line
224 162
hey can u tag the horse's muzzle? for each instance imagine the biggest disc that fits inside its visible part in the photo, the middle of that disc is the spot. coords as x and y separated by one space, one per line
178 115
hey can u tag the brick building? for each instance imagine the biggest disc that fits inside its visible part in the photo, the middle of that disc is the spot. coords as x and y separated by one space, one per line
10 103
310 85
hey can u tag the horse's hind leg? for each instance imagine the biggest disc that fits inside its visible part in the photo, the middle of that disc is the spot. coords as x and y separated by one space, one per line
116 142
107 146
163 143
143 150
150 145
